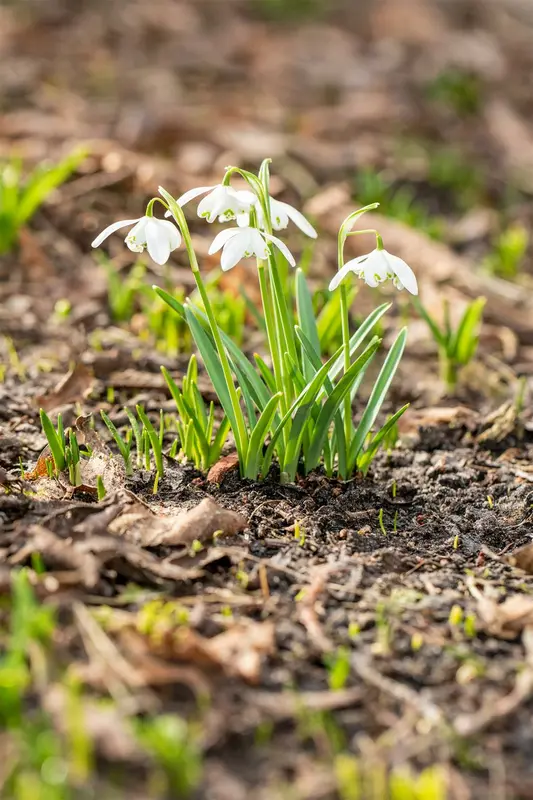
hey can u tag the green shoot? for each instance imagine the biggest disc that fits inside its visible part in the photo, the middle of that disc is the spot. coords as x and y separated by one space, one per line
100 488
509 251
56 440
123 444
196 424
154 441
21 196
456 347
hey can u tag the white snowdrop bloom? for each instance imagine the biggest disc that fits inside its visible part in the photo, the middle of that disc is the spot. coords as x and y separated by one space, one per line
281 213
238 243
223 203
158 236
376 267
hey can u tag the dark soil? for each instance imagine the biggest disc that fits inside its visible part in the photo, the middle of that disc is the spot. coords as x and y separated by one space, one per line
383 624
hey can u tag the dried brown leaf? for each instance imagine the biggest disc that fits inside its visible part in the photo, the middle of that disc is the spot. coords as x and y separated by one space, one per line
523 558
73 387
508 619
237 651
219 470
197 524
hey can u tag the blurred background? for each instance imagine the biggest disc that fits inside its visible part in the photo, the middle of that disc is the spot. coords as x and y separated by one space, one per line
422 105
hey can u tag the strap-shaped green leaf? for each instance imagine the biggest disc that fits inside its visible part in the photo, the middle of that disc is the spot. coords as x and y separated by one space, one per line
54 441
366 457
333 402
303 405
307 322
359 336
154 439
465 341
440 337
215 372
377 396
255 446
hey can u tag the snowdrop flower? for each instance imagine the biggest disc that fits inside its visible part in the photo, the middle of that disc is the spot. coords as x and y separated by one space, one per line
376 267
222 203
245 242
281 213
158 236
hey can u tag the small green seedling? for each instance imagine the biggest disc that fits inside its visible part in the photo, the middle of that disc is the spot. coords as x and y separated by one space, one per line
338 666
123 443
196 426
456 347
153 440
21 196
64 448
509 251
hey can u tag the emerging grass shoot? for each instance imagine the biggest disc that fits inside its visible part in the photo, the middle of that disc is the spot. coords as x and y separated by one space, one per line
456 347
196 425
21 196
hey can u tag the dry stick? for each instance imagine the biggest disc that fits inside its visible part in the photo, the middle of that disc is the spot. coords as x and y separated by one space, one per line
367 670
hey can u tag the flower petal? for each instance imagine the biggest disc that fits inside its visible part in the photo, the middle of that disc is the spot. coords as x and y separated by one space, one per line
115 226
157 241
299 220
221 239
278 214
192 193
282 247
170 230
340 276
403 272
234 250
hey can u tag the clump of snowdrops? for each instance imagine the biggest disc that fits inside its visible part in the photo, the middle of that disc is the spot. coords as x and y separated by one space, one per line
291 406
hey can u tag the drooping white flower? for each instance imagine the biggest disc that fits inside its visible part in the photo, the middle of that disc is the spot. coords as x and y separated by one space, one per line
377 266
241 243
223 203
158 236
281 213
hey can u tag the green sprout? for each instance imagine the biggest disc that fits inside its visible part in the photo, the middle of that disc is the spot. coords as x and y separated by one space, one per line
123 443
456 347
459 90
154 441
508 253
21 196
177 756
396 202
338 666
197 437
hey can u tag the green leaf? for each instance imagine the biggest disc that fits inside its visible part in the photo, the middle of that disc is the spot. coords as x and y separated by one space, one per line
43 181
302 406
215 372
154 439
332 404
367 455
54 442
465 341
377 396
173 302
266 373
257 439
359 336
438 335
307 322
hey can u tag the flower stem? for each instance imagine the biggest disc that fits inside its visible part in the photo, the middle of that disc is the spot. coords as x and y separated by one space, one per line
241 434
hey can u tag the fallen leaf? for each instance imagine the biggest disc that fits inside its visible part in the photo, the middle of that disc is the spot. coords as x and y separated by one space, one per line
238 651
219 470
454 417
73 387
197 524
508 619
523 558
